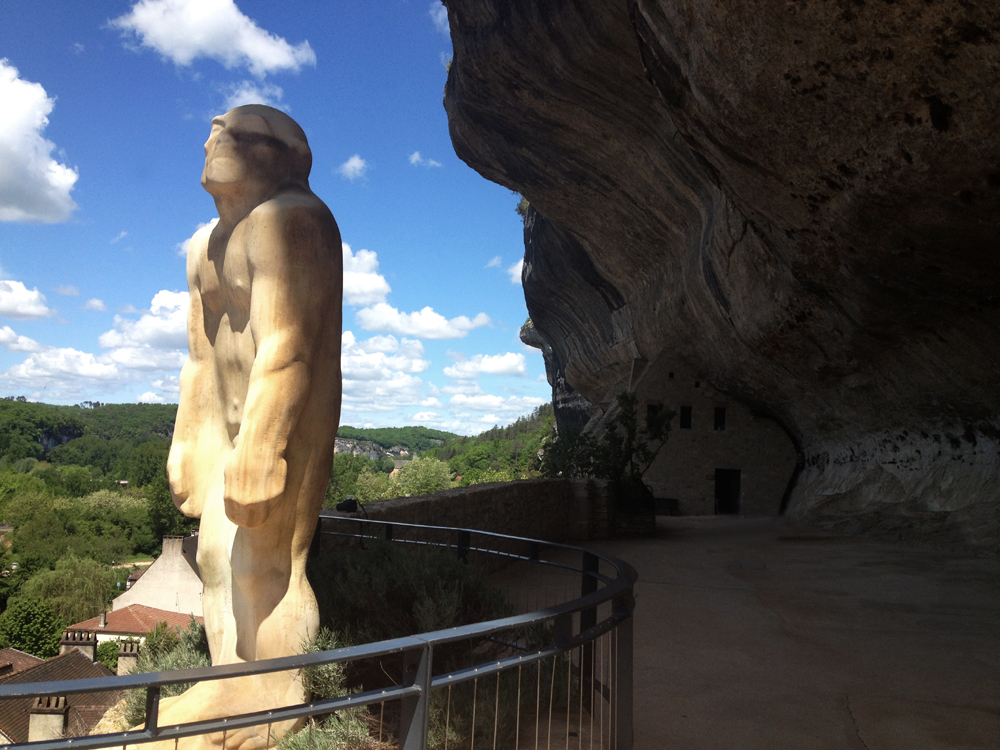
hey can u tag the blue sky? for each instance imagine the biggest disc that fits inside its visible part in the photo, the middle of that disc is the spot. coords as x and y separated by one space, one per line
104 109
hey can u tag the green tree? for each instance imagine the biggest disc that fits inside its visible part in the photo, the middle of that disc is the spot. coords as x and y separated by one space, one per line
31 625
164 518
148 461
424 475
107 654
371 486
77 588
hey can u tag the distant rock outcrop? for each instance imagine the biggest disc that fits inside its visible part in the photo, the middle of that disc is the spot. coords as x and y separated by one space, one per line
800 200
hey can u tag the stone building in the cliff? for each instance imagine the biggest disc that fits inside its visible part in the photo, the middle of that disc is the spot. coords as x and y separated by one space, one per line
721 457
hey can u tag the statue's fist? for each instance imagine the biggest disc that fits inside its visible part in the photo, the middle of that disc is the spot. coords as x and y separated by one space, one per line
253 487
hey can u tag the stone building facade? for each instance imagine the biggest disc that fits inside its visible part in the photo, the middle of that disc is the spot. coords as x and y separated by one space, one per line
721 456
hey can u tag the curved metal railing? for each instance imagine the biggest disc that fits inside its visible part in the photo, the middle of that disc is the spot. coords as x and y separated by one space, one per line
585 596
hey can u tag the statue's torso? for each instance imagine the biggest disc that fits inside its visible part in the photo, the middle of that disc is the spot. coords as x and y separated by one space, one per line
225 294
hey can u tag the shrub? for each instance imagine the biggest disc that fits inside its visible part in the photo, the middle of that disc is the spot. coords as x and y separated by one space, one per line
77 588
107 654
164 649
31 625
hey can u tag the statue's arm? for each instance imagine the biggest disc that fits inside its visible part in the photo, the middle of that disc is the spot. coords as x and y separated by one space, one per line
193 450
296 289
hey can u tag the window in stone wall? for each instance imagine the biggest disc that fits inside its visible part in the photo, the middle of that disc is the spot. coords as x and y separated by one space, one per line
720 417
685 417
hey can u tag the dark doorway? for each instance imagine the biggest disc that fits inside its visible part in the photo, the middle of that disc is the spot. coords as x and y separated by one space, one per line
727 491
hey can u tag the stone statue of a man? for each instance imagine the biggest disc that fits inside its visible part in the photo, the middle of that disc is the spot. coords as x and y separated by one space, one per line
259 408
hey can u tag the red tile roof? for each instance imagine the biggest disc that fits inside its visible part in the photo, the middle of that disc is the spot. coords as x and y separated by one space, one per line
17 661
135 619
73 665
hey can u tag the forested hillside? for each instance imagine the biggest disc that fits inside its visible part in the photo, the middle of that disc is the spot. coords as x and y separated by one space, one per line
84 487
500 454
414 439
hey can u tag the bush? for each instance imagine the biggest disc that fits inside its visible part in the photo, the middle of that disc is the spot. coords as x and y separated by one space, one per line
423 476
164 649
107 654
31 625
77 589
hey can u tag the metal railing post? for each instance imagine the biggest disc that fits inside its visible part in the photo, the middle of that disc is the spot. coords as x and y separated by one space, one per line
588 618
152 710
415 714
464 542
621 665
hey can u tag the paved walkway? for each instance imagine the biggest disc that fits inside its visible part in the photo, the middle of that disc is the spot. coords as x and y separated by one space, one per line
753 635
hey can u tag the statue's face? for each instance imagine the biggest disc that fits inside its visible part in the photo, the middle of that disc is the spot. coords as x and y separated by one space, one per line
240 147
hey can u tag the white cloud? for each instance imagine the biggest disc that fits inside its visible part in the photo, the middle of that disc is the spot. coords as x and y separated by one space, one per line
430 402
153 345
149 398
182 247
68 290
465 387
363 285
168 384
494 262
20 303
486 402
515 272
184 30
487 364
34 187
424 324
353 168
250 92
51 364
425 416
417 160
94 304
121 235
163 327
14 343
439 14
380 358
375 381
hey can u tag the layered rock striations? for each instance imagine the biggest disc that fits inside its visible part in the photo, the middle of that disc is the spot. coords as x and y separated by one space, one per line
799 200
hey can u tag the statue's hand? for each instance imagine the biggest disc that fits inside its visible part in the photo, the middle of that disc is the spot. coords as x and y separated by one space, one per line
253 488
182 467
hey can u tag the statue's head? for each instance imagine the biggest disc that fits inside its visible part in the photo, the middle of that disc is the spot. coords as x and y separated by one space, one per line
256 143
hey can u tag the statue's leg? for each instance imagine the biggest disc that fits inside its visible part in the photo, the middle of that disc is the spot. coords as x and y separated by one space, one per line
215 539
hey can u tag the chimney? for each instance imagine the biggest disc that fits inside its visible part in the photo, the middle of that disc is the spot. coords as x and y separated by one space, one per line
47 718
128 655
85 642
103 622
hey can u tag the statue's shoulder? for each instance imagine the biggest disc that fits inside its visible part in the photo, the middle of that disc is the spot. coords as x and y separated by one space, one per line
293 205
294 222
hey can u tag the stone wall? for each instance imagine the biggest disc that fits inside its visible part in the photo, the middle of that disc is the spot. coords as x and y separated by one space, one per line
555 510
746 441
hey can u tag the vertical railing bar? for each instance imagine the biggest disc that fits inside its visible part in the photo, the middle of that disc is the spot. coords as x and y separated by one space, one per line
475 690
496 712
569 676
517 718
552 690
153 710
579 724
415 710
538 702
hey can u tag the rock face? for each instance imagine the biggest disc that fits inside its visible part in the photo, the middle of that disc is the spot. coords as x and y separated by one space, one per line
800 200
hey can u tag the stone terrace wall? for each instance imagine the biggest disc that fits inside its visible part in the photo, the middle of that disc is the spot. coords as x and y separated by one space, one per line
555 510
